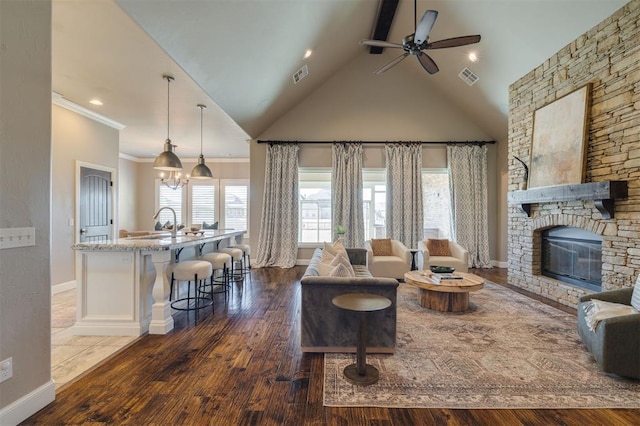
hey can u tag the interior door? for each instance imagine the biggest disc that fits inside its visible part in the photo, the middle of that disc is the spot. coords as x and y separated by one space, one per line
95 205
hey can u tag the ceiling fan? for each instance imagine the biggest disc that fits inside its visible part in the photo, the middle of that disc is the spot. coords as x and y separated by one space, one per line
417 43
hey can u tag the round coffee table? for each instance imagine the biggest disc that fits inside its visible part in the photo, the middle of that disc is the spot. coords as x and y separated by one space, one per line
446 295
361 373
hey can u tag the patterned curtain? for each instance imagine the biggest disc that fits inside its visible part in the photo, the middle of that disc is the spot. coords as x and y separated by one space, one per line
404 193
468 184
347 192
278 240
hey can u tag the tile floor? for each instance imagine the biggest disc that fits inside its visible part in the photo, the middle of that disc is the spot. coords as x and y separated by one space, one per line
71 356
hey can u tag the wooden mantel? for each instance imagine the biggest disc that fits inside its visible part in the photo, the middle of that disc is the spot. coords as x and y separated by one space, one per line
603 195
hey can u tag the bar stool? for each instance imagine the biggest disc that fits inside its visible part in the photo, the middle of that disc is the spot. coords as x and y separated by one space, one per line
195 271
219 262
246 258
236 257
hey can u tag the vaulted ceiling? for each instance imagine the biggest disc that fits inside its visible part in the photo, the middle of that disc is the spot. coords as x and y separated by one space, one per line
238 58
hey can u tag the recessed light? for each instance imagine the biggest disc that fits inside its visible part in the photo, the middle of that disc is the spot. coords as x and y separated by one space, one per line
95 102
307 53
473 57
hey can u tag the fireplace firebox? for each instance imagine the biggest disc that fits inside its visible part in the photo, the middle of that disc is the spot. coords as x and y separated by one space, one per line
573 255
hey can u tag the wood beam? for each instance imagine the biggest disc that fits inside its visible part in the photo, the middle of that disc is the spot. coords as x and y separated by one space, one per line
383 24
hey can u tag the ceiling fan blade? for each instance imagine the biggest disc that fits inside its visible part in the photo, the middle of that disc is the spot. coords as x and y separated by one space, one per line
453 42
379 43
424 27
391 64
427 63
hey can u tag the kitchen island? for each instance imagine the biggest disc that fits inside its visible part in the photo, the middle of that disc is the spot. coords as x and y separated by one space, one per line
122 285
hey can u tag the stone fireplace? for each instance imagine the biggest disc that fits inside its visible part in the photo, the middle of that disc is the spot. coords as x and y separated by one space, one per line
608 57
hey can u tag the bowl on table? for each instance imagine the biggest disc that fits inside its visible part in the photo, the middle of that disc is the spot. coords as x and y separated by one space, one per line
441 269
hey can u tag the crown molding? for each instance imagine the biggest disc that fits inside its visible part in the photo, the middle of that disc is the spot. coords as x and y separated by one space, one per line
58 99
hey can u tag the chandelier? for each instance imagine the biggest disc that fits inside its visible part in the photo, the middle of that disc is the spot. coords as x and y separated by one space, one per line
174 180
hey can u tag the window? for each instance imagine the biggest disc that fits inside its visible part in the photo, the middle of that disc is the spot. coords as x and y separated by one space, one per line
236 206
168 197
314 208
374 196
436 203
203 202
215 200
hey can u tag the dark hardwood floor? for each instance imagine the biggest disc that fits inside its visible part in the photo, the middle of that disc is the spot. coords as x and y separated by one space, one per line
242 366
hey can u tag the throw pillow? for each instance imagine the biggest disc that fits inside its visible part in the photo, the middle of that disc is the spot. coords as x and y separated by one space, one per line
205 225
340 271
381 247
326 257
635 296
343 259
324 269
335 248
158 226
438 247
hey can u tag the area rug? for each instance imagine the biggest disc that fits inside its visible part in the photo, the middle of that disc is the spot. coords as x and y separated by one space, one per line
509 351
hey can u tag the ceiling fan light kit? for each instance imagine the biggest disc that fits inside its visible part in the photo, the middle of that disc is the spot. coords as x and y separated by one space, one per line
418 43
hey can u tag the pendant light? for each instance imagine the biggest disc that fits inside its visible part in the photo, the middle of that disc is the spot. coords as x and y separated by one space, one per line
168 160
201 171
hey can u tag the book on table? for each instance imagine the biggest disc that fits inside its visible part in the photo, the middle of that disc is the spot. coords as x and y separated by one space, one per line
446 277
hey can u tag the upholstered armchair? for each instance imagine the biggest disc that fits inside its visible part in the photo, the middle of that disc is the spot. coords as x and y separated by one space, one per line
615 343
388 258
442 253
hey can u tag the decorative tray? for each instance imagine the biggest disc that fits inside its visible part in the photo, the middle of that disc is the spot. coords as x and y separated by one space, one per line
441 269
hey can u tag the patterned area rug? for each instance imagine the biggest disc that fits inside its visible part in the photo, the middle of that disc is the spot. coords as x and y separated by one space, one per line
509 351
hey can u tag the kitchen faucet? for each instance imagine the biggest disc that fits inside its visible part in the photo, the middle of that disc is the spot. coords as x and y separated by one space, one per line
175 221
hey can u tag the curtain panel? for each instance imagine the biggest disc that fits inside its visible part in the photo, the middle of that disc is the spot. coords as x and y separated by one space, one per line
468 185
347 208
404 212
278 239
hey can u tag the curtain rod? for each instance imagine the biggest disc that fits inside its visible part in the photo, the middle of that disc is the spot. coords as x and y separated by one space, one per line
383 142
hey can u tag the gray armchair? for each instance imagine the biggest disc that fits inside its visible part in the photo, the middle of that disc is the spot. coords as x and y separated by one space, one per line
615 344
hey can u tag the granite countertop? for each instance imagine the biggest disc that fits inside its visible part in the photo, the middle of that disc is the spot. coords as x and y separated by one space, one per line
157 241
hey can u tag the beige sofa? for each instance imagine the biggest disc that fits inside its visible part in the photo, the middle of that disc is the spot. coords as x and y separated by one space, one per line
393 266
459 258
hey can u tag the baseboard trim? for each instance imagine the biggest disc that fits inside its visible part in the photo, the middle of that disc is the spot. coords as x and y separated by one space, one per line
498 264
28 405
62 287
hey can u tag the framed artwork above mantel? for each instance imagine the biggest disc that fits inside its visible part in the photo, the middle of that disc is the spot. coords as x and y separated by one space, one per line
559 145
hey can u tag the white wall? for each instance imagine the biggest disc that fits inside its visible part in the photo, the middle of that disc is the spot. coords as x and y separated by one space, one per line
127 194
25 201
75 138
357 105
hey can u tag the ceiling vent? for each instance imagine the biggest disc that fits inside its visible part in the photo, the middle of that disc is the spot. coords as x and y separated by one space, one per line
300 74
468 76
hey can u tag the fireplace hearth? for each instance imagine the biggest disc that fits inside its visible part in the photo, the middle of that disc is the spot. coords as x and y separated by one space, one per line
574 256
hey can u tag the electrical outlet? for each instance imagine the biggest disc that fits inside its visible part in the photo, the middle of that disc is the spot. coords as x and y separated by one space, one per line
6 369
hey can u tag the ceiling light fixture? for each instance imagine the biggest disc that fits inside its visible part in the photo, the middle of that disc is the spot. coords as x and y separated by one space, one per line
473 57
97 102
307 53
168 160
174 180
201 171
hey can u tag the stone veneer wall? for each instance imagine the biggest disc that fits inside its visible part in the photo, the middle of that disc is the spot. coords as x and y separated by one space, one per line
608 56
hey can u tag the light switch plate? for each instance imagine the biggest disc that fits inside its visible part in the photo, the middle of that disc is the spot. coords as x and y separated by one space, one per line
17 237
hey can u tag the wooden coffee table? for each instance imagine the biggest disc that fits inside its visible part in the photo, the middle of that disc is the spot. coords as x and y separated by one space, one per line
447 295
